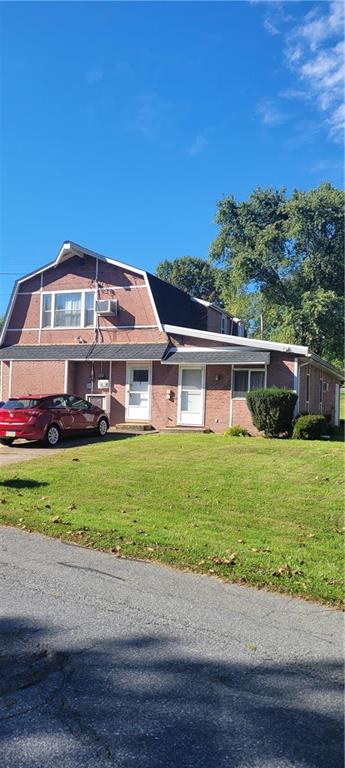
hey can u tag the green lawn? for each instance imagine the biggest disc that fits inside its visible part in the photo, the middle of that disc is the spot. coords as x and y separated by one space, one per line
255 511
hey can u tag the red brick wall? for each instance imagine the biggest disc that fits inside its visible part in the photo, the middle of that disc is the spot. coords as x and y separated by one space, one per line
241 415
190 341
135 306
328 397
217 404
280 372
33 377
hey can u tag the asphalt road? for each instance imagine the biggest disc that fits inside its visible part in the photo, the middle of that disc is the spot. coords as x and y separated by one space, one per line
111 662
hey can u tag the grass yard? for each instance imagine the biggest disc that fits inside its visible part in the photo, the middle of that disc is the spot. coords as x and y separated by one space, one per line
263 512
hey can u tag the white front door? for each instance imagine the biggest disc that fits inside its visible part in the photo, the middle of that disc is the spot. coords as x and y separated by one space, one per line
192 392
138 392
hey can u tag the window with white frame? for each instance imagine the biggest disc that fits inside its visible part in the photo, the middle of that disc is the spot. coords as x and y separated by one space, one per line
245 380
89 310
75 309
223 324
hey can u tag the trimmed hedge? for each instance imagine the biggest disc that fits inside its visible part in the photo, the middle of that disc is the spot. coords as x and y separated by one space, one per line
310 427
236 431
272 410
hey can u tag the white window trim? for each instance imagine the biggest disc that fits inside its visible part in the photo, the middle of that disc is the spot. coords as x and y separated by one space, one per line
141 364
224 319
262 369
181 368
53 294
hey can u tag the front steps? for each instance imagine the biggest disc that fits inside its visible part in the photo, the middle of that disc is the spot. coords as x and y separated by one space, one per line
185 430
134 427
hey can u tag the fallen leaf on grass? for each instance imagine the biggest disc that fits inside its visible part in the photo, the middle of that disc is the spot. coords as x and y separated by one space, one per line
224 560
72 506
285 570
56 519
116 549
241 541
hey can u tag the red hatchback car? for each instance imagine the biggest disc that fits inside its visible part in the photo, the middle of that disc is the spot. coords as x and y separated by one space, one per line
49 417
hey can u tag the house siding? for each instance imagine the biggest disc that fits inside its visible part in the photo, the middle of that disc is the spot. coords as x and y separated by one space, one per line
136 313
138 318
31 378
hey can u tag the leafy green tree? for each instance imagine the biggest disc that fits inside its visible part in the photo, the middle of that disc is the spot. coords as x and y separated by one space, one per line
282 261
193 275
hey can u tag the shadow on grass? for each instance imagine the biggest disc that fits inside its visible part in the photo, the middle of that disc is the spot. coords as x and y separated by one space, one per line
23 482
146 701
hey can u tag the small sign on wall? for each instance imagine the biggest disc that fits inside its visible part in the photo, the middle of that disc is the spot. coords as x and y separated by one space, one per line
103 383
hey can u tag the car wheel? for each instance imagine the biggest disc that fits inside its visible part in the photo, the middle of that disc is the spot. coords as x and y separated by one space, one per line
6 440
102 427
52 436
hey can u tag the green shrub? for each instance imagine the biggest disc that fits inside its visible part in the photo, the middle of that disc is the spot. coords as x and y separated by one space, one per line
236 431
310 427
272 410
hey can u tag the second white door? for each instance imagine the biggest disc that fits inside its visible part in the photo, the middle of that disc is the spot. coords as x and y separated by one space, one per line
192 389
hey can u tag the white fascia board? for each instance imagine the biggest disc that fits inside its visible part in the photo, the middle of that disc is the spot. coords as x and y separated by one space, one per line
237 340
9 311
69 249
210 304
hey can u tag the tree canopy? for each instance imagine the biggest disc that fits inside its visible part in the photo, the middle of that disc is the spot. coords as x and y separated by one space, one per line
193 275
282 261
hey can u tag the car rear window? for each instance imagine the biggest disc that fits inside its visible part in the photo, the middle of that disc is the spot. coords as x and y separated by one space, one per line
11 405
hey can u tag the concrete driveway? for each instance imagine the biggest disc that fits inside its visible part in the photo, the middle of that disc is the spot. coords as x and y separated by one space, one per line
109 662
21 450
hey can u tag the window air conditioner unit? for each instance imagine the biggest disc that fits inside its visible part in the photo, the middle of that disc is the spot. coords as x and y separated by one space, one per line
106 307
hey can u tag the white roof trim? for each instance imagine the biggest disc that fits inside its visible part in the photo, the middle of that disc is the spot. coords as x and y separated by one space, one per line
211 305
237 340
67 250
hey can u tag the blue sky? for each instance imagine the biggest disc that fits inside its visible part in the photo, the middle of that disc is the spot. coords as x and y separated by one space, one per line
122 124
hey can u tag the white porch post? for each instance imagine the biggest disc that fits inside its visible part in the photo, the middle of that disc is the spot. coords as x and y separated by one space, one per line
66 376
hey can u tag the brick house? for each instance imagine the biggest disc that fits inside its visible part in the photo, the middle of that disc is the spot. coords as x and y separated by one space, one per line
144 350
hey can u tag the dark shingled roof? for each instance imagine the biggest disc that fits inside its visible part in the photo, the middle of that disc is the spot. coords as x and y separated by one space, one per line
83 352
233 355
175 307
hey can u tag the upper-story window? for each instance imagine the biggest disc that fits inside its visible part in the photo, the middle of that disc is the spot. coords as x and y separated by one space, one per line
68 309
224 324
